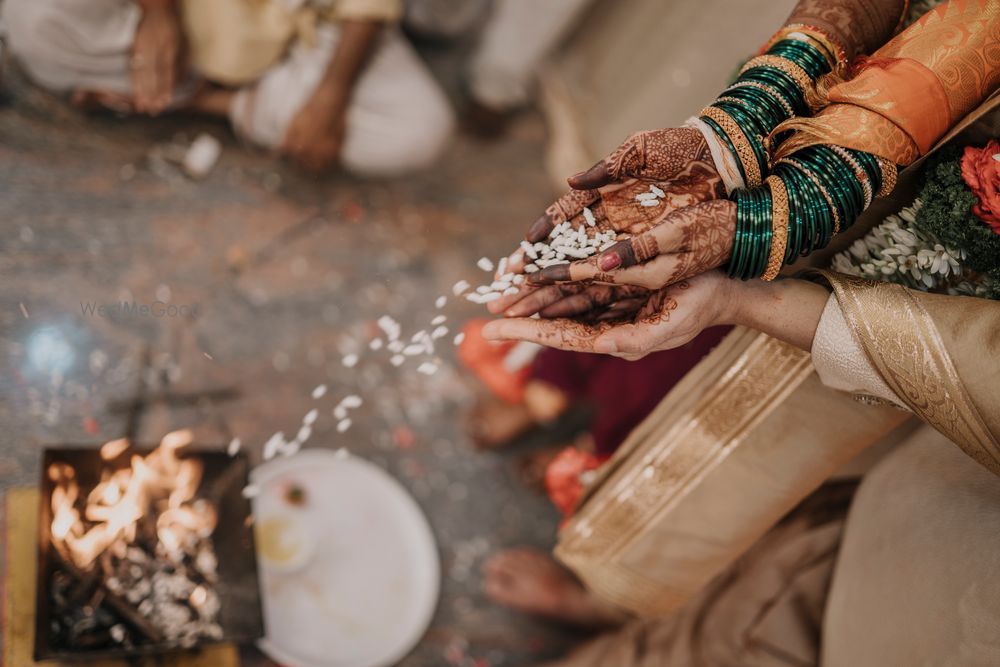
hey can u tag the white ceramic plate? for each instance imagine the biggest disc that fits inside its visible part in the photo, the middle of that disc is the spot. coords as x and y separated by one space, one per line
367 590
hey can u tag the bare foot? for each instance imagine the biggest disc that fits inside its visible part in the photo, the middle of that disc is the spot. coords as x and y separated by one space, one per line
531 581
493 423
100 100
213 101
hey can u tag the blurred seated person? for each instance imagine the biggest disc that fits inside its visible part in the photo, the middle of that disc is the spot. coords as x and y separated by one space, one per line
321 81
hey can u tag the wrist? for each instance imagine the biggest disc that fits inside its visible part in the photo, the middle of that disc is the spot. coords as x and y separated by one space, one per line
742 303
786 309
330 96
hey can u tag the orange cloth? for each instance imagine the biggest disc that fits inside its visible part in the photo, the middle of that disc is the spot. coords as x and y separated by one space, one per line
486 360
907 96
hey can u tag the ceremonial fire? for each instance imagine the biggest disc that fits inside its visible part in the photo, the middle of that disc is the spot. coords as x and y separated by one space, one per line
130 565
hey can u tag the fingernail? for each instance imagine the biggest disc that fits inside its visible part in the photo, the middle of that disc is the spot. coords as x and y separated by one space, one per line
609 260
535 279
589 173
603 346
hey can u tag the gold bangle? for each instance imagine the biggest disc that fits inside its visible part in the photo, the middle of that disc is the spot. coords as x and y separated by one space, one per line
744 152
785 65
889 175
779 227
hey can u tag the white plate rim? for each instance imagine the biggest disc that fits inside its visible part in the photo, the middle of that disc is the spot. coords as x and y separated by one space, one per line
263 473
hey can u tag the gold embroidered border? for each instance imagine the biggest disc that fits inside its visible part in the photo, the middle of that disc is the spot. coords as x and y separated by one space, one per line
903 344
697 440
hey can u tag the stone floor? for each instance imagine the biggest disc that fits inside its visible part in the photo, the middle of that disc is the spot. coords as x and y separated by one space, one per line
287 273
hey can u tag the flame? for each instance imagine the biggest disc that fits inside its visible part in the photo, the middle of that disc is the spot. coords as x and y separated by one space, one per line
114 507
113 448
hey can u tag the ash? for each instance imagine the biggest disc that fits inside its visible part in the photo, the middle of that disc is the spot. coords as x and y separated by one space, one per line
147 596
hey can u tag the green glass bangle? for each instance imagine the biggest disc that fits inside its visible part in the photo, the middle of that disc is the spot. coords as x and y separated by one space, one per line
806 213
765 105
765 231
803 54
806 201
845 183
782 81
767 93
740 236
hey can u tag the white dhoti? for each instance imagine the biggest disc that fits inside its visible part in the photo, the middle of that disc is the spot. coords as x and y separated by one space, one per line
398 118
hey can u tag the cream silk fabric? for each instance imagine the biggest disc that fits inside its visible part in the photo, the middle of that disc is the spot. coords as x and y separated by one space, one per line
235 41
839 360
917 578
940 355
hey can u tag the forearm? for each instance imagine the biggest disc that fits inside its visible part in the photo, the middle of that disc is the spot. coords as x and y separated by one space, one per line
860 26
788 310
357 39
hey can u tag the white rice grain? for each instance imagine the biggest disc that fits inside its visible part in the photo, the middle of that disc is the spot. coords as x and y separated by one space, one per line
352 401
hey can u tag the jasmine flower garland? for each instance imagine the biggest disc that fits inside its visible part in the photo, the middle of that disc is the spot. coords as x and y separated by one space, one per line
934 245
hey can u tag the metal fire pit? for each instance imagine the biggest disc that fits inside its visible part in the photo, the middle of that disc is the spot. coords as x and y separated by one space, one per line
237 587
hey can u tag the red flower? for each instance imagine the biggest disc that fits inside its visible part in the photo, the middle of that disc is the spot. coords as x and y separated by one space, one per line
981 172
562 477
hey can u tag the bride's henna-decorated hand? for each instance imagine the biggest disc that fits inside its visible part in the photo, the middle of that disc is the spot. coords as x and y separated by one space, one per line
677 160
687 242
668 318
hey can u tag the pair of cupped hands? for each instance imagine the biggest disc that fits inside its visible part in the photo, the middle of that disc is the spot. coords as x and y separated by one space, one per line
657 287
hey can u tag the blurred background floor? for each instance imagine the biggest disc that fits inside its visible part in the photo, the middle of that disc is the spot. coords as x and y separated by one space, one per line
287 272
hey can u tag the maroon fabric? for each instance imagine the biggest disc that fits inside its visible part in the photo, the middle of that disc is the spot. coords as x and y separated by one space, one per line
621 393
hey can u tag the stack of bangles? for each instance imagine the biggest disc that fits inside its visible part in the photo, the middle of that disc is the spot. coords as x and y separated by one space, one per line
810 196
770 89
